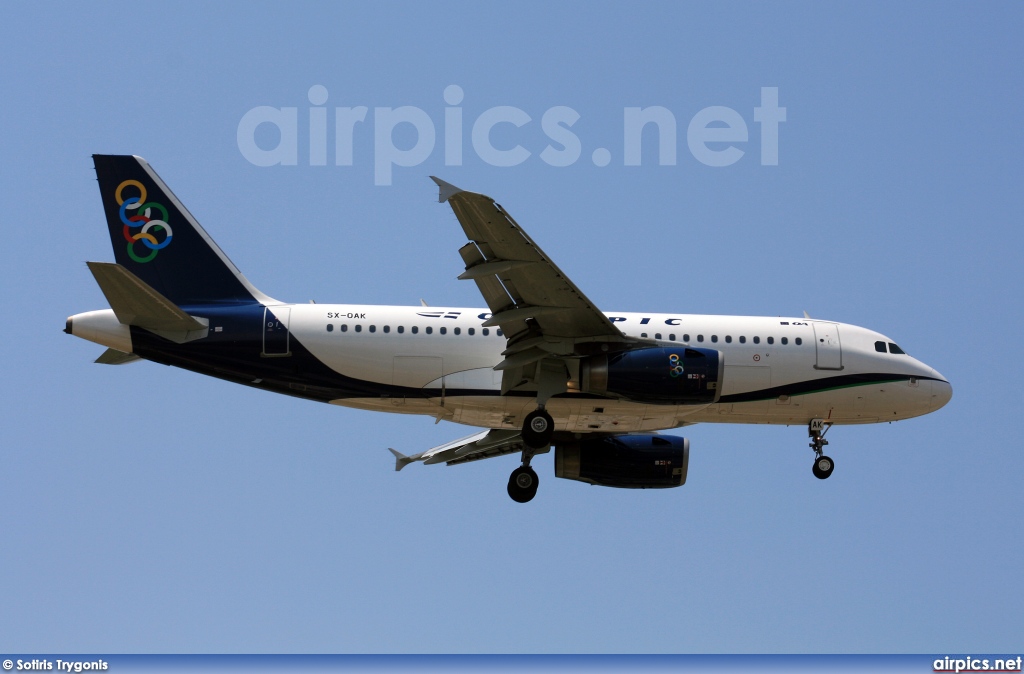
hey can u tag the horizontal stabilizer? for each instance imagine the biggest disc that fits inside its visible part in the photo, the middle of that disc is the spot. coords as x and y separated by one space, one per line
115 357
136 303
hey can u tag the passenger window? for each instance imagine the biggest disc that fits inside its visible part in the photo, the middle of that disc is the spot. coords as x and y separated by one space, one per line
757 340
657 335
799 341
344 327
472 331
401 329
880 347
671 338
330 327
499 332
771 340
686 338
785 340
373 328
700 338
643 334
743 340
728 339
415 329
487 331
458 331
429 330
895 349
714 338
387 328
444 331
359 328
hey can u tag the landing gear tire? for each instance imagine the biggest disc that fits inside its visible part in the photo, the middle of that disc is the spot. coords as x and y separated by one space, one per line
522 484
538 428
823 466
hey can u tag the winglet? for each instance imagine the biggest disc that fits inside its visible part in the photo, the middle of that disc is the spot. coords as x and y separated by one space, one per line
447 190
806 315
401 460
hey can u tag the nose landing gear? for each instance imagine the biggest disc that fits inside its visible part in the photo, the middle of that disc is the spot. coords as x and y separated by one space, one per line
823 465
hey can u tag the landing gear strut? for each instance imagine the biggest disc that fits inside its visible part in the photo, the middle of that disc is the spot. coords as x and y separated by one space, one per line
538 429
823 465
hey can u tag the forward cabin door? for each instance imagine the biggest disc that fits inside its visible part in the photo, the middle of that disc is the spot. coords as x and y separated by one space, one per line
830 351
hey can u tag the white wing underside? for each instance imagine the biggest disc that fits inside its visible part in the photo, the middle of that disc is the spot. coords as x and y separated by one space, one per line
482 445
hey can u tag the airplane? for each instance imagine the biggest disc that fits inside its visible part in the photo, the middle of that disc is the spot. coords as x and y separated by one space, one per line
540 367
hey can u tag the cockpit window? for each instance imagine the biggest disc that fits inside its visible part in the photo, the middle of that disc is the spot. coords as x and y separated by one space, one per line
895 349
880 347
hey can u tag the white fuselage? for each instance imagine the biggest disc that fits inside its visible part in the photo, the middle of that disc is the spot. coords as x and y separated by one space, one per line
391 345
776 370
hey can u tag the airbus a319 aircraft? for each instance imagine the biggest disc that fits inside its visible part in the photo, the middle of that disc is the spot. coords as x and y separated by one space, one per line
540 367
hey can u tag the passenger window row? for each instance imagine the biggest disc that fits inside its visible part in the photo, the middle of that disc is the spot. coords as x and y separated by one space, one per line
415 329
728 339
879 346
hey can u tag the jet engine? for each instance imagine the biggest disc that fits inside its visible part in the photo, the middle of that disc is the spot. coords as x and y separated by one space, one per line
660 375
628 461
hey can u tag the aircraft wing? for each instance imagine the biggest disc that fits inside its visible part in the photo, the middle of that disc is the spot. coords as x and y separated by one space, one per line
482 445
541 312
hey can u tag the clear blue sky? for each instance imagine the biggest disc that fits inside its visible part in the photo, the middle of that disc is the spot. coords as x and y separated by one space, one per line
146 509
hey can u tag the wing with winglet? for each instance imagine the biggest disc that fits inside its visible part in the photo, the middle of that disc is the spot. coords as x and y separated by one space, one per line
482 445
541 312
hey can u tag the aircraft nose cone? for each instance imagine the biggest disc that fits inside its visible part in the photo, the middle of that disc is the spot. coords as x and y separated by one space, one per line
942 392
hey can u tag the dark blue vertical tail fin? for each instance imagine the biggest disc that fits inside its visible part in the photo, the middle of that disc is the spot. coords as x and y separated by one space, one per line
159 241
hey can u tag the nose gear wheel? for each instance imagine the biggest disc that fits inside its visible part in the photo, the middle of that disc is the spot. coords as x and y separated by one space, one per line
823 465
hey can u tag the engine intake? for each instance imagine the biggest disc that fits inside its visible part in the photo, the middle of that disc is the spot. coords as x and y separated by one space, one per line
660 375
626 461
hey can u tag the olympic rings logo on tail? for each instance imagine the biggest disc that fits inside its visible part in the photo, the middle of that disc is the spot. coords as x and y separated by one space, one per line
144 218
675 366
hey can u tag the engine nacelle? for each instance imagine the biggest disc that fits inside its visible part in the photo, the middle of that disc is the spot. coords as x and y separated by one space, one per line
628 461
660 375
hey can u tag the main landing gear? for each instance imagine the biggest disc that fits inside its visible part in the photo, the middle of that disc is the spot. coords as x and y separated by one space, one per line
523 483
538 428
823 465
